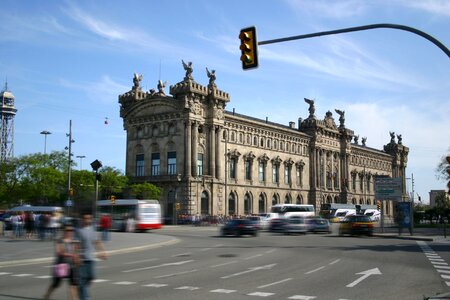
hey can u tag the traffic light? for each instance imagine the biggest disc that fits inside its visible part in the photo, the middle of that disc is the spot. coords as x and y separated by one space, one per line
249 48
113 199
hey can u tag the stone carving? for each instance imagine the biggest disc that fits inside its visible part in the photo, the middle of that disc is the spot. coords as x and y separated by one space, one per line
329 121
161 87
219 113
341 114
311 108
363 140
356 138
212 78
188 68
137 81
392 137
399 138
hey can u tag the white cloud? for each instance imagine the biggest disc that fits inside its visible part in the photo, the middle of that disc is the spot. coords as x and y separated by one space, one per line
437 7
329 9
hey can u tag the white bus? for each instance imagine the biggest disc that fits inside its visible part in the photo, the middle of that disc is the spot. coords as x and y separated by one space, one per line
146 213
288 210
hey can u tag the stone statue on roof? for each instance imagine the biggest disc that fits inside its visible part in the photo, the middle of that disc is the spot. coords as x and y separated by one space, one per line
311 108
137 81
161 87
392 134
364 140
356 138
341 114
212 78
399 138
188 68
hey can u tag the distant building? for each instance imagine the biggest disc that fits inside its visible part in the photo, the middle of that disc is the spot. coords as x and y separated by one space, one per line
217 162
433 195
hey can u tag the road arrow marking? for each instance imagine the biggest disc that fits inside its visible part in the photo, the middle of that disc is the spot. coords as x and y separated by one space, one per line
266 267
365 274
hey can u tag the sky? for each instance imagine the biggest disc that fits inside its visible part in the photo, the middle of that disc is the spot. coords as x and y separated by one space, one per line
69 60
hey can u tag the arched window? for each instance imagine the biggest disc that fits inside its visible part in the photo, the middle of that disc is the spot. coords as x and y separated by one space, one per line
231 204
287 199
247 204
299 200
261 204
274 199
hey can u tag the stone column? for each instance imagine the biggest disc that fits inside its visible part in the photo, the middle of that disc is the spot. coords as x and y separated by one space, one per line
220 154
212 151
194 148
188 150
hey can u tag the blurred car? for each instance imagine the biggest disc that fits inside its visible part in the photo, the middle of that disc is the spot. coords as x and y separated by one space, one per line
356 224
295 225
6 218
257 220
238 227
318 225
277 224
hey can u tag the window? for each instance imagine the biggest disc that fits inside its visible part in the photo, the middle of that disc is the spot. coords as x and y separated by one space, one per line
298 176
200 164
287 174
368 184
262 172
233 168
171 163
156 164
140 165
354 182
328 180
248 170
275 173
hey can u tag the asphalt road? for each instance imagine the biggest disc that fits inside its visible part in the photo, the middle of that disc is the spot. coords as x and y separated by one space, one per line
201 264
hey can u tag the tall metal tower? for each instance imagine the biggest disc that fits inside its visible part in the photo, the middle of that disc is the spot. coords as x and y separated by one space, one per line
7 114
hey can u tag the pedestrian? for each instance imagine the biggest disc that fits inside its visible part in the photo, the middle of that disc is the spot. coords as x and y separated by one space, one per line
89 242
29 224
105 226
67 261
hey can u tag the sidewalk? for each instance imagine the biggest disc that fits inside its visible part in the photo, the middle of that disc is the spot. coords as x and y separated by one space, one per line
24 251
420 234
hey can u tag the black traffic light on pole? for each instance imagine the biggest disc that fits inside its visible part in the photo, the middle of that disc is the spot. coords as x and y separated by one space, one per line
249 48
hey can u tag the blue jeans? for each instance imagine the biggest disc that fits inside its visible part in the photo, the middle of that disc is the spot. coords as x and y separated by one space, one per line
87 274
105 234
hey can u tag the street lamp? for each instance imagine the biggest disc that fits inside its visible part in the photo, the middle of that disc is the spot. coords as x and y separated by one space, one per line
81 160
45 132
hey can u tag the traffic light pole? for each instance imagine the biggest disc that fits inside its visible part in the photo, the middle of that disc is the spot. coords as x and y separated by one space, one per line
361 28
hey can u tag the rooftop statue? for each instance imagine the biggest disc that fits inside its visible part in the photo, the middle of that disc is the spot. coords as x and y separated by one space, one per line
212 78
356 137
189 70
137 81
161 87
399 138
392 137
311 108
364 140
341 114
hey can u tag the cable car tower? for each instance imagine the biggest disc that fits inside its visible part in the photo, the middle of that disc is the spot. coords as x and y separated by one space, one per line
7 114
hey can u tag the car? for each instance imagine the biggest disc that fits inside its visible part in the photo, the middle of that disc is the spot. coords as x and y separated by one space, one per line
238 227
6 218
295 224
257 220
318 225
356 224
277 224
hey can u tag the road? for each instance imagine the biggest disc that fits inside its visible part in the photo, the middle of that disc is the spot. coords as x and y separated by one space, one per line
273 266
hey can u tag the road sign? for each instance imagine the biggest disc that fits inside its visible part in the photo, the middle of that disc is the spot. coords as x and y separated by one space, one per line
388 188
69 203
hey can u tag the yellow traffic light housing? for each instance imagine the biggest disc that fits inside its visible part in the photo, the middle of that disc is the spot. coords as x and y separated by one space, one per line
113 199
249 48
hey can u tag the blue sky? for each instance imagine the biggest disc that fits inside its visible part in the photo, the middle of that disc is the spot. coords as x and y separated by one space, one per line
69 60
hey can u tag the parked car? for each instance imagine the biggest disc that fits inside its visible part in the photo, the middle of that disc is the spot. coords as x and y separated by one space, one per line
318 225
356 224
277 224
295 224
238 227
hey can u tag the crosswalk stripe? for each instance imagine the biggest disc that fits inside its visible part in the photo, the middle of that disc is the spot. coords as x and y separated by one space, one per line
260 294
223 291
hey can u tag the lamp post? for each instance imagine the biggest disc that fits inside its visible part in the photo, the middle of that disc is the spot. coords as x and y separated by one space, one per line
45 133
69 168
81 160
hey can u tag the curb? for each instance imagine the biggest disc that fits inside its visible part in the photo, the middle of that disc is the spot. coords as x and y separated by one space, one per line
32 261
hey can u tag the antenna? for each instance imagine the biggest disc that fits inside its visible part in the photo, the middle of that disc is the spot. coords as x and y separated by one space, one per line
159 69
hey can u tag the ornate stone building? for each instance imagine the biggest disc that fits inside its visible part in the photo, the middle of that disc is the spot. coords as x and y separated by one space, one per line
215 162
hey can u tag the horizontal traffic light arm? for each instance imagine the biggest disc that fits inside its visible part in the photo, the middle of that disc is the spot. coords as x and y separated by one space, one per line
360 28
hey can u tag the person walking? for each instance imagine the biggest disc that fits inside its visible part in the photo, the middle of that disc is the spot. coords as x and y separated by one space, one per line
105 226
89 242
67 261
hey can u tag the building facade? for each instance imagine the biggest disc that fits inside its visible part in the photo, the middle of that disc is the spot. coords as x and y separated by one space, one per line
210 161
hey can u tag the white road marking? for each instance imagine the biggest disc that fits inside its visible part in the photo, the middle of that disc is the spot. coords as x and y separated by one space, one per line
274 283
189 288
224 264
156 285
159 266
266 267
270 251
260 294
140 261
175 274
205 249
182 254
124 283
444 271
439 263
436 259
4 273
445 276
222 291
335 261
442 267
302 297
43 277
315 270
254 256
22 275
365 274
100 280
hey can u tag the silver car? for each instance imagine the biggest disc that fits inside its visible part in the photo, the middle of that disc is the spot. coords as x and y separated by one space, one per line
295 225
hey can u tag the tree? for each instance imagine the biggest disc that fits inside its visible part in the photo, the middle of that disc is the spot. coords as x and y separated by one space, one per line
112 182
145 191
443 166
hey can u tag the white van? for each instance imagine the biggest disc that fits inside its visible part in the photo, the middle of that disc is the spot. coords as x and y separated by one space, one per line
373 214
341 213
